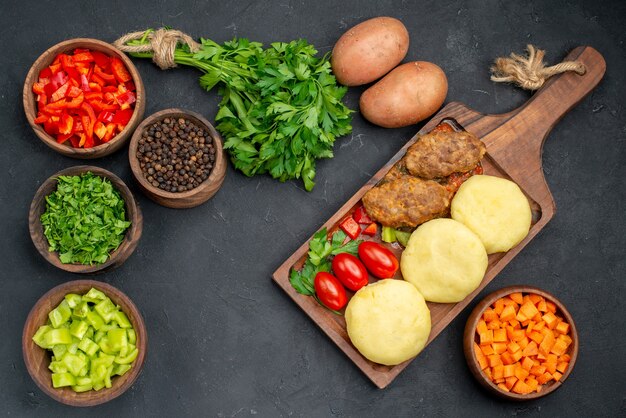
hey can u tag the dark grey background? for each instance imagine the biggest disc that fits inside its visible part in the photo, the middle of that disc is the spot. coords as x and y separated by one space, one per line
224 340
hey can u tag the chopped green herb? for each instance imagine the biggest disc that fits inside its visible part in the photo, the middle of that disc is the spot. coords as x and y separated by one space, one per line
85 219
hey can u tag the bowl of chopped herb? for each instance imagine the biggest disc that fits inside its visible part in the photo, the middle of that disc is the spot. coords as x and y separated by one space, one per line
84 219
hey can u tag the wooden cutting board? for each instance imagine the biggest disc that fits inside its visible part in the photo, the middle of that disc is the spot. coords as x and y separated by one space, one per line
514 144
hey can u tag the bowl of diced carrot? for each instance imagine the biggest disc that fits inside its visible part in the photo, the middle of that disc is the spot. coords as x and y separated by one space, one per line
520 343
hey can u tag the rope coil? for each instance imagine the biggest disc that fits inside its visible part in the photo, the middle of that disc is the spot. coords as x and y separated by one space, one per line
530 72
162 43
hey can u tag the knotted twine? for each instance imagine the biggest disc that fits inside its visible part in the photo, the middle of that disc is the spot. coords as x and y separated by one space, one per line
162 44
530 72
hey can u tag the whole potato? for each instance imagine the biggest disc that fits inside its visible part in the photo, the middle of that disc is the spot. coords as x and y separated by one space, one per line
369 50
410 93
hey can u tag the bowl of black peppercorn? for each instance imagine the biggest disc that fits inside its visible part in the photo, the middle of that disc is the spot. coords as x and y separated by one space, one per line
177 158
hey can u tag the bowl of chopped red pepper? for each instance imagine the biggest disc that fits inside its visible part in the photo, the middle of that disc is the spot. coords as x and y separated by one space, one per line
84 98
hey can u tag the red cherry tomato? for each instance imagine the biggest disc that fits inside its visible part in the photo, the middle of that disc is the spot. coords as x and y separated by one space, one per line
379 260
350 271
330 291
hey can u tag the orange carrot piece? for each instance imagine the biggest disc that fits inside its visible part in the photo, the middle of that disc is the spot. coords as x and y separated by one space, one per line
523 342
519 335
510 381
566 358
481 327
537 317
528 309
487 349
557 376
495 324
539 326
550 319
503 387
508 301
512 347
547 344
536 337
551 306
499 348
562 327
532 383
486 337
517 297
498 306
550 367
498 372
529 327
509 370
544 378
535 298
521 388
538 370
565 338
527 364
531 349
508 314
494 360
507 358
488 373
542 306
562 366
515 324
489 315
499 335
517 355
559 347
480 357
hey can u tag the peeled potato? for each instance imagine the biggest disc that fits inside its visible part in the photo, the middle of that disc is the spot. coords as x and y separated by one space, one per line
388 321
444 260
495 209
369 50
410 93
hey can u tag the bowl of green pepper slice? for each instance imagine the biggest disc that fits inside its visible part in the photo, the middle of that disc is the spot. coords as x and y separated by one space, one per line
84 219
84 343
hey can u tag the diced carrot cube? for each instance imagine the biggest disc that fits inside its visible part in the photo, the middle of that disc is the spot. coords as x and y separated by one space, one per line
489 315
537 317
495 324
540 356
510 381
521 317
487 349
562 366
529 327
532 383
535 298
566 358
512 347
507 358
517 355
525 322
498 306
508 301
551 306
494 360
509 370
499 335
528 309
545 331
547 344
565 338
526 299
559 347
562 327
499 348
538 370
536 337
521 387
503 387
557 376
550 367
487 371
486 337
508 313
544 378
519 335
527 364
481 327
542 306
550 320
498 372
498 381
531 349
480 357
539 326
523 342
515 323
517 297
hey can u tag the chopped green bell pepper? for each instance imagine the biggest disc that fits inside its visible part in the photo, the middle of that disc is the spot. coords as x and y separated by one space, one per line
81 310
106 309
129 358
78 329
58 336
39 337
388 234
95 320
94 296
117 339
60 380
122 320
73 300
60 315
88 346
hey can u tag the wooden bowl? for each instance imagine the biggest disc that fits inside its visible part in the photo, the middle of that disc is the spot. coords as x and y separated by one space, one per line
117 257
30 104
469 338
189 198
37 359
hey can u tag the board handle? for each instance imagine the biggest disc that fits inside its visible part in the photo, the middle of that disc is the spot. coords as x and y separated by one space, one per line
519 135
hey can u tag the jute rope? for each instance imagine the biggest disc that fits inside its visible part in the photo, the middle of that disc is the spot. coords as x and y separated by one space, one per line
162 43
530 72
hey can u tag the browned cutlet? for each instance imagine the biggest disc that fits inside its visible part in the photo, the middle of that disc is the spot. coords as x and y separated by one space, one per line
406 202
439 154
397 171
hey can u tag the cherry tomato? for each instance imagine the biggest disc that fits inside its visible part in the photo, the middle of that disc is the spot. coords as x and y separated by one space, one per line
330 291
379 260
350 271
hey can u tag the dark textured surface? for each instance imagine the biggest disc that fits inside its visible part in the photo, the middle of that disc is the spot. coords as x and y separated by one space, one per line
224 340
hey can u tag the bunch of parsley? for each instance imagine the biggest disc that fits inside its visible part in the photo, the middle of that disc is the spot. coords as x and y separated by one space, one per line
85 219
281 109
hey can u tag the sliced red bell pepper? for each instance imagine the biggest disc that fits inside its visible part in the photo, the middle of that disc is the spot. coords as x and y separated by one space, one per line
61 92
66 124
360 215
38 88
95 86
55 67
75 140
101 59
126 99
122 117
89 142
41 118
42 100
74 92
110 132
50 127
84 83
350 227
58 79
130 86
93 95
88 119
83 56
109 89
45 73
119 70
61 138
105 116
52 108
100 129
99 106
97 79
109 78
76 102
371 229
49 89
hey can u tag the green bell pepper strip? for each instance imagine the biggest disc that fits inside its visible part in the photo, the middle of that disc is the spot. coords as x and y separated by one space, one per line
57 367
58 336
59 350
121 369
105 346
88 346
98 336
82 388
78 329
39 337
132 337
97 386
117 339
106 309
129 358
94 296
73 363
107 377
95 320
122 320
388 234
60 380
73 299
60 315
82 381
81 310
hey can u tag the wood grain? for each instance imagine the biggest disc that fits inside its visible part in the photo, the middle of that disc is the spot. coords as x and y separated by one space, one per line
514 144
30 103
37 359
117 257
469 337
190 198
